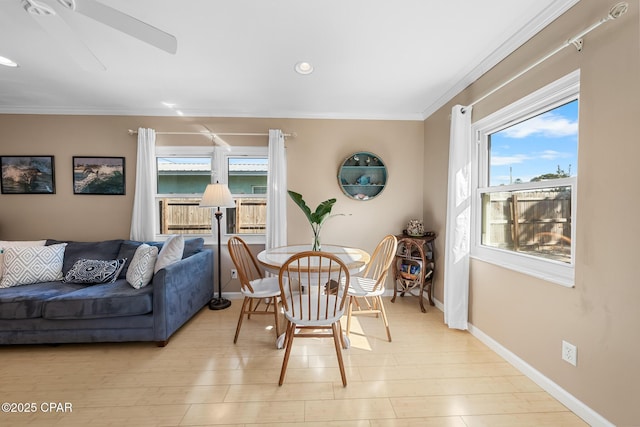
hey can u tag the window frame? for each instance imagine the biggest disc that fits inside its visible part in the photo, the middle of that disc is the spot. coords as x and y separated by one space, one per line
219 172
221 163
179 151
563 90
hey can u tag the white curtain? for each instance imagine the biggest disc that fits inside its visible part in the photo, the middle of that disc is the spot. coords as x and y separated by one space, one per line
276 191
458 228
143 217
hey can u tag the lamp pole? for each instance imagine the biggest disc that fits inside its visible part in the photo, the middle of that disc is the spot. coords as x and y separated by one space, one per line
218 195
219 303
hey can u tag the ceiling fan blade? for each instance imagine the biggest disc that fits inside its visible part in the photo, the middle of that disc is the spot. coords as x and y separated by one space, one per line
127 24
68 39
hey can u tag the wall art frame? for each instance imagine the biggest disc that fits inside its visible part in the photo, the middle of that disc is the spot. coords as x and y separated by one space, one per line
99 175
27 175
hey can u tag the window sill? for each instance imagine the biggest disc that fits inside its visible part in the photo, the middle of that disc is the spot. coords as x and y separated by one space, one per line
250 239
212 240
546 270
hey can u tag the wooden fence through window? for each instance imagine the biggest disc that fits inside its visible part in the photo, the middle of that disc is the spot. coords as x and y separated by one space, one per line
535 221
185 216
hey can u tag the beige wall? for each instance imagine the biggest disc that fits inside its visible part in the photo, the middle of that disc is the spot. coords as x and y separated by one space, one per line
527 316
531 317
313 158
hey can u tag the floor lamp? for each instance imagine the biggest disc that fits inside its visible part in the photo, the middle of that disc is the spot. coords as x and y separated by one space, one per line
218 196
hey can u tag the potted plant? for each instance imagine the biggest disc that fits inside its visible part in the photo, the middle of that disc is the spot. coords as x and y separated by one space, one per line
317 218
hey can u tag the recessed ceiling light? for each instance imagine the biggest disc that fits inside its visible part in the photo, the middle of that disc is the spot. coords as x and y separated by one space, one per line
303 68
7 62
168 104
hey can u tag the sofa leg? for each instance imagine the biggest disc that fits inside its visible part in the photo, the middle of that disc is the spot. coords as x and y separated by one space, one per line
162 343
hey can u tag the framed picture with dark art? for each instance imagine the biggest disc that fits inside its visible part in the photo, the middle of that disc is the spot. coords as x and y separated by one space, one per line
27 175
98 175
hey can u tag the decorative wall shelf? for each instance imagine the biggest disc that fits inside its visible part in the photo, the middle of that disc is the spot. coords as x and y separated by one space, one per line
362 176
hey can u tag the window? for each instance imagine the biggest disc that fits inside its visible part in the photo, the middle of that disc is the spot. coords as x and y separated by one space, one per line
526 183
182 176
247 178
181 180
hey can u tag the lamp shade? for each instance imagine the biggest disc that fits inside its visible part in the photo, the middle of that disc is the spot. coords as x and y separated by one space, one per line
217 195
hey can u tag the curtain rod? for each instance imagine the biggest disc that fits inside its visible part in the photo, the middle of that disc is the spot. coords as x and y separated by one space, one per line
615 12
210 134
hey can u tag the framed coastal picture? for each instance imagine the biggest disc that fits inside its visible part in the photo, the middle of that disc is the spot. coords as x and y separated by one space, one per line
98 175
27 175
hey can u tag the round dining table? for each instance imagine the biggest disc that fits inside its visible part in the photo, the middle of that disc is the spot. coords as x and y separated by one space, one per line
272 259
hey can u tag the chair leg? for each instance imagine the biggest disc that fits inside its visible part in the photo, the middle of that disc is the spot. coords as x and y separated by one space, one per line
344 339
250 309
384 317
376 305
242 312
291 329
349 313
337 339
276 313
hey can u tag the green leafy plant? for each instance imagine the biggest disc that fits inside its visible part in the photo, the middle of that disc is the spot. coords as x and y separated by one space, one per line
317 218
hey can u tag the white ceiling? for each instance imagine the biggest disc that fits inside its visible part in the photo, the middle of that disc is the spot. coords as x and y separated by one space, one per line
373 59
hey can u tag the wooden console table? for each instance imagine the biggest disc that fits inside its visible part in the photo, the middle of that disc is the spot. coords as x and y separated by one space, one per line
414 267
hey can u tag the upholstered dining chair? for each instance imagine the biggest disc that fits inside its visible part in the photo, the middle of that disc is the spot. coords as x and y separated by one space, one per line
370 286
312 305
254 286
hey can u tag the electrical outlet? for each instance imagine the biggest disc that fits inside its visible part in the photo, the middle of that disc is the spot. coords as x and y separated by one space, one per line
234 273
569 353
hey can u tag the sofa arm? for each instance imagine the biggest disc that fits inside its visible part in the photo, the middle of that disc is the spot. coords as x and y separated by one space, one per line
180 291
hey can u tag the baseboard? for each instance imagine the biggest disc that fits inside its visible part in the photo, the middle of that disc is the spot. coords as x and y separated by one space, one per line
576 406
232 295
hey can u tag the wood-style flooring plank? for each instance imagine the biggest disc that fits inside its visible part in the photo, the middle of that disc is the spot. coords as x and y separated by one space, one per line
429 376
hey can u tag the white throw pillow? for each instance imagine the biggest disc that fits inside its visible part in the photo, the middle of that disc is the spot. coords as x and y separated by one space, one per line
142 265
26 265
17 243
171 252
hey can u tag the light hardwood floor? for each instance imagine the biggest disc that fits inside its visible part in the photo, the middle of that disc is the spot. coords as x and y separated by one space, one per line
428 376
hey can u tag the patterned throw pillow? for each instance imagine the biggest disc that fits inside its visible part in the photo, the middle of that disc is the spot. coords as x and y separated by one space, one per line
26 265
140 270
94 271
16 243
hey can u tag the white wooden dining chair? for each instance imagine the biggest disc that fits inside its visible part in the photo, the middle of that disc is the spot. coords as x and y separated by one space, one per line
254 286
366 291
312 306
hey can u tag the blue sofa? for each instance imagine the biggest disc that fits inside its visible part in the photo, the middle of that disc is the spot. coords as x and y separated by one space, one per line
58 312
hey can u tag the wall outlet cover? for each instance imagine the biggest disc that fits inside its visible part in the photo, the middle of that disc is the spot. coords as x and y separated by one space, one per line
569 353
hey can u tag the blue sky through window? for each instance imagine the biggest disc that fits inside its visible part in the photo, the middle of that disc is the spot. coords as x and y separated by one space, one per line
537 146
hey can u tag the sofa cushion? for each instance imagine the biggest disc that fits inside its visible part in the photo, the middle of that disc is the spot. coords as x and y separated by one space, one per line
105 250
128 249
170 253
26 265
92 271
100 301
9 244
25 302
192 246
140 272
